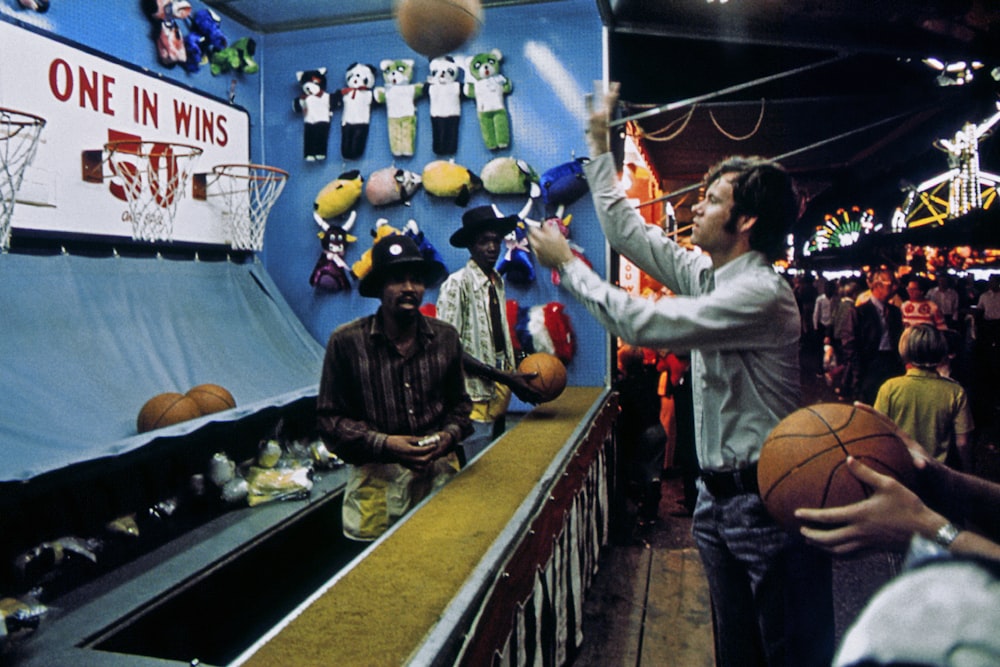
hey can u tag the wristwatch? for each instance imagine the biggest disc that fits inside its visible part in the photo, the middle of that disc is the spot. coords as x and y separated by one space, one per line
946 534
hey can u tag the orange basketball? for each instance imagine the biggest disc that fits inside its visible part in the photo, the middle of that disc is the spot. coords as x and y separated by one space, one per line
436 27
551 378
803 460
211 398
164 410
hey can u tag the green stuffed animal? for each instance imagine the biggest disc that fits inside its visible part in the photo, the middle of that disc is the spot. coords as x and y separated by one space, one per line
237 57
399 96
507 176
488 87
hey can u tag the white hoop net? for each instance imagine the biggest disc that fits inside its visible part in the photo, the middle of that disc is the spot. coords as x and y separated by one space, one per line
152 177
249 191
19 133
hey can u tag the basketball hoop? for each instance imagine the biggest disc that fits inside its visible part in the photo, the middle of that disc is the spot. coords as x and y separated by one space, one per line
19 133
151 175
249 191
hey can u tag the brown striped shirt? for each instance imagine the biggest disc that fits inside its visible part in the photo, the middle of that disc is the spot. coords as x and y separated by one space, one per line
368 391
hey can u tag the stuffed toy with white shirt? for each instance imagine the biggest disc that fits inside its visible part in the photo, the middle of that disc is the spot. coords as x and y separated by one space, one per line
355 100
315 105
399 94
489 87
445 92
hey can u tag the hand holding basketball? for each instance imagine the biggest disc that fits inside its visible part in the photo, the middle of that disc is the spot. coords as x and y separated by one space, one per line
550 378
803 462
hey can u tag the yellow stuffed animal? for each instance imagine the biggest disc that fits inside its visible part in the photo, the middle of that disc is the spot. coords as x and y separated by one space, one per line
382 229
444 178
338 196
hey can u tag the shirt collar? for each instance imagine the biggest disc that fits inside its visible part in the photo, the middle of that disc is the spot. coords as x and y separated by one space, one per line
732 269
481 276
377 329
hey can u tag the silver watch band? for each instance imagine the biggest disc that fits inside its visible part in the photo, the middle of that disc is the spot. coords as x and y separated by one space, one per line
946 534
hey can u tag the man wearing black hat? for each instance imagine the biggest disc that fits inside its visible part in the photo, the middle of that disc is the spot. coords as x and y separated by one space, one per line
392 397
473 300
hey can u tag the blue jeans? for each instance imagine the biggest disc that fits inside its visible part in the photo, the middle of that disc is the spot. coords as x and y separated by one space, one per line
772 596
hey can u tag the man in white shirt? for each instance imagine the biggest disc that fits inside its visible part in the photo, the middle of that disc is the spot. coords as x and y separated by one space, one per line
771 595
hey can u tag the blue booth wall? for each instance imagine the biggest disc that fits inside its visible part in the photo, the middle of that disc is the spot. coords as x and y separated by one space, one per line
551 54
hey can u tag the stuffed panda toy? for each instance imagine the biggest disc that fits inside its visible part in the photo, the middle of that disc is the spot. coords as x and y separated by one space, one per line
489 87
445 92
356 100
314 104
399 95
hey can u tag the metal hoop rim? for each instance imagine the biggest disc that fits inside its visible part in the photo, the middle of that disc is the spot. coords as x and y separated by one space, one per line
34 118
221 170
112 147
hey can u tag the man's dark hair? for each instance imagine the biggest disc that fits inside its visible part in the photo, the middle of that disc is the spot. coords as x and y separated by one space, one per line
761 188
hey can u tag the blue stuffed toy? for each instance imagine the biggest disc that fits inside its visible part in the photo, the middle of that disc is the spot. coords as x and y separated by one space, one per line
204 39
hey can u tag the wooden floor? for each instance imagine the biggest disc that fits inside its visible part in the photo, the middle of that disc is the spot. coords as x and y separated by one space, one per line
649 604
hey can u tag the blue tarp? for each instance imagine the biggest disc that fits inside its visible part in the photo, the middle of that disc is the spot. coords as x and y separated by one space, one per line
84 342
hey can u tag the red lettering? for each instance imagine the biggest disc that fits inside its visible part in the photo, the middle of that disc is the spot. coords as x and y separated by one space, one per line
220 127
61 79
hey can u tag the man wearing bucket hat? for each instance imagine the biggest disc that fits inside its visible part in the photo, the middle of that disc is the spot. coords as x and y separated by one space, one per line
392 397
473 300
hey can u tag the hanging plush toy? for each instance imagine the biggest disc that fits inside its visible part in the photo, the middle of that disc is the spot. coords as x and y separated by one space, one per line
546 328
516 266
427 249
331 271
338 196
314 105
399 96
444 178
356 100
204 39
237 57
488 87
564 183
40 6
507 176
391 185
382 229
167 15
445 92
562 224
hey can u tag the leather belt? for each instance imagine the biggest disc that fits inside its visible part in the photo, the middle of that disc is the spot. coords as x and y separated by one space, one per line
727 483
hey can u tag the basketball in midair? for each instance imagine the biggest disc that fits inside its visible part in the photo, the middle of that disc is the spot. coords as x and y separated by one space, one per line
165 410
803 460
551 378
435 27
211 398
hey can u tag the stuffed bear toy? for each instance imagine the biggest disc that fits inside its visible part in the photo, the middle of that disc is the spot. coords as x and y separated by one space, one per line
237 57
338 196
391 185
331 271
382 229
516 266
204 39
399 96
356 100
444 178
445 92
314 105
488 87
507 176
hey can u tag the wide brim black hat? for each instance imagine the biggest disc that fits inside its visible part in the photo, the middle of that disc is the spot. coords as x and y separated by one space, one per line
480 219
395 253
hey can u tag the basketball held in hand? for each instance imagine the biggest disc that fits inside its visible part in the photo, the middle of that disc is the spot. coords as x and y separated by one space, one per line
166 409
435 27
803 462
551 374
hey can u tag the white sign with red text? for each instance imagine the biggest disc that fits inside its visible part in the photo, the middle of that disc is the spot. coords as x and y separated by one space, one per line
87 101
